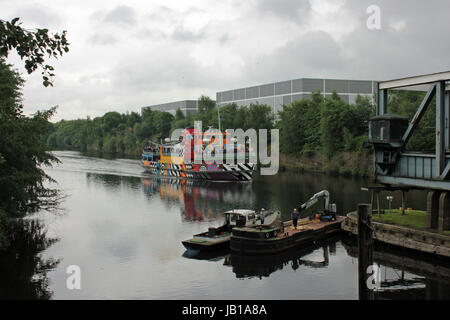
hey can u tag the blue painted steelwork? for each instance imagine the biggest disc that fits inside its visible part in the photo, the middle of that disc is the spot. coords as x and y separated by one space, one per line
392 164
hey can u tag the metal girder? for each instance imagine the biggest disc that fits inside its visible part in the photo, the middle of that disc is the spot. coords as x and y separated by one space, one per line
440 127
446 172
382 102
411 81
447 120
419 114
423 183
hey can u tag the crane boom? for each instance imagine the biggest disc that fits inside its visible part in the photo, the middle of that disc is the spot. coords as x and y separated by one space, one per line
313 200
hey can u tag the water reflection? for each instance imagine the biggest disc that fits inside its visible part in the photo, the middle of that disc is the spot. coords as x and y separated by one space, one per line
199 200
406 274
257 266
245 266
23 270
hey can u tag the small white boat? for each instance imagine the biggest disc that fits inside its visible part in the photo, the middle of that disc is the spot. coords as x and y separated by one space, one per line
217 238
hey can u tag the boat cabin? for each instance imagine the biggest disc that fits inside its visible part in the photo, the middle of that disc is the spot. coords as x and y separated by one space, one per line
240 217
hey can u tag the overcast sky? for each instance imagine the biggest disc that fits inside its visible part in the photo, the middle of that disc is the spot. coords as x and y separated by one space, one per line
128 54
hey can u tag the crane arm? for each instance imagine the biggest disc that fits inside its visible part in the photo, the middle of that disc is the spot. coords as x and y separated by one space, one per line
313 200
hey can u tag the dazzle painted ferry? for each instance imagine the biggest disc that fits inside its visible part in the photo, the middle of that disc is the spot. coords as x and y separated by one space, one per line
176 159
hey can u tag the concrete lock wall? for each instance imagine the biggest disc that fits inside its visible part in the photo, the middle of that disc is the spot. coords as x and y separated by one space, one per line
444 212
433 209
421 240
438 210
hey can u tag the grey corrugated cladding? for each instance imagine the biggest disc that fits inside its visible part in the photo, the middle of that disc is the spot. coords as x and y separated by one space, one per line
252 92
267 90
336 85
310 85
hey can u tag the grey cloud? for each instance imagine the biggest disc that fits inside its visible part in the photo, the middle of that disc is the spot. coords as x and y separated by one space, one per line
294 10
163 70
161 12
314 54
121 15
40 15
103 39
418 47
181 34
150 34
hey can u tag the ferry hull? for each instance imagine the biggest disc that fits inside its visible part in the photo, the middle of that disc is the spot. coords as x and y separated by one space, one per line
238 172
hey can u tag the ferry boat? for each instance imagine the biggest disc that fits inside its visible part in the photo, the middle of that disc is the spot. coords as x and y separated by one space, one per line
176 159
219 238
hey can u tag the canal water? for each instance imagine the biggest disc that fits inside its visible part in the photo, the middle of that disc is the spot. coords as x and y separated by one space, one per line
123 229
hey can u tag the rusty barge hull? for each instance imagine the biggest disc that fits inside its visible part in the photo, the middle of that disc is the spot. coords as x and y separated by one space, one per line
271 241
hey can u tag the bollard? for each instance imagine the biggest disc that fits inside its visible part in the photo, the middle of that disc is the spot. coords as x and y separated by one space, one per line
365 249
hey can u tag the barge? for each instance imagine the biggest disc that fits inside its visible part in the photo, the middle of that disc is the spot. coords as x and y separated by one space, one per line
271 239
219 238
286 235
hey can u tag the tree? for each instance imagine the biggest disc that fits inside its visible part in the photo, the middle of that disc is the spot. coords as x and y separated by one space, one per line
23 152
111 121
299 126
205 104
259 116
32 45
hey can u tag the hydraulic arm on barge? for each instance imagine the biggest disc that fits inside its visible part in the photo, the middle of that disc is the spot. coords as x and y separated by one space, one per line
329 211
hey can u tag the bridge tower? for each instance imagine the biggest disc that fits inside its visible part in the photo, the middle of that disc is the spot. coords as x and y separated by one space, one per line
389 134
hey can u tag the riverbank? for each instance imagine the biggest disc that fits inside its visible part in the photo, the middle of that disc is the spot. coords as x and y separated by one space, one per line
410 237
342 163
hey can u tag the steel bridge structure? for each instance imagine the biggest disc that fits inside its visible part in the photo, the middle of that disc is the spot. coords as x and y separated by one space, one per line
389 134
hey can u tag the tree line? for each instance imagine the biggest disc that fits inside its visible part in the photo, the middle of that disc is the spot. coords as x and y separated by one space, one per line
320 124
129 132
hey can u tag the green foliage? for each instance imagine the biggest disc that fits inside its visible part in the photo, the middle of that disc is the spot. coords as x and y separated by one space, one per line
32 46
300 126
406 103
205 104
258 116
323 124
22 151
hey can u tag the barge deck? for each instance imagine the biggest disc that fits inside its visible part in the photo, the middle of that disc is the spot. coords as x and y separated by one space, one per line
260 241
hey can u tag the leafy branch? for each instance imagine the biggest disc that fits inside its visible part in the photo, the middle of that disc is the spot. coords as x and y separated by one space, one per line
33 46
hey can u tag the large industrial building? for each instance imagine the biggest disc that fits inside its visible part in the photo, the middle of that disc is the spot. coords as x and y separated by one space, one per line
277 94
186 106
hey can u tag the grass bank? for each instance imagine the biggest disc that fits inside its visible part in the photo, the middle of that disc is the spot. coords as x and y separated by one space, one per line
341 163
412 218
